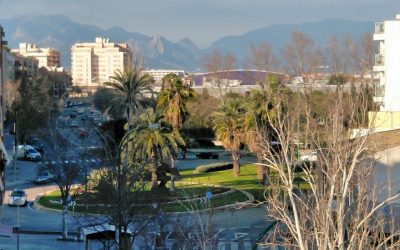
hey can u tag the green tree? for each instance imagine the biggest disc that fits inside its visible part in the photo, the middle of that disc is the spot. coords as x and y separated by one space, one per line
127 92
229 128
153 140
171 102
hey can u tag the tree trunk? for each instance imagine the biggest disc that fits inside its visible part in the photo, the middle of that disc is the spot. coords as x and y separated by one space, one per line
172 173
236 163
154 178
64 221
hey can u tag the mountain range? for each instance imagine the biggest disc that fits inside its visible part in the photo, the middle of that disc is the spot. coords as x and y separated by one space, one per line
61 33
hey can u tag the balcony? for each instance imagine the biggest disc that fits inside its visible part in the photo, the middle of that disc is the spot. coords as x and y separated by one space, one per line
378 100
379 63
379 28
379 34
379 91
379 60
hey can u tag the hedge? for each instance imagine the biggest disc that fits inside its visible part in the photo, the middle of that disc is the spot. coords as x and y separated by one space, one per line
213 167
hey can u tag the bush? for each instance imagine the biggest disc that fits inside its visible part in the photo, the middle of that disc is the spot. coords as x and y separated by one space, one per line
213 167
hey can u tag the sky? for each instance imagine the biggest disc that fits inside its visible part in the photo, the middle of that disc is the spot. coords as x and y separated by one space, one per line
203 21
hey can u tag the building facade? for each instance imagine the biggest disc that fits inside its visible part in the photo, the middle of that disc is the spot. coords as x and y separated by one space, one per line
94 63
3 77
387 34
47 57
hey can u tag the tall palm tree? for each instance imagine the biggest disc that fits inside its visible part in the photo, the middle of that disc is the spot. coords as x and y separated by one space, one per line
260 113
256 124
171 102
152 140
127 91
228 126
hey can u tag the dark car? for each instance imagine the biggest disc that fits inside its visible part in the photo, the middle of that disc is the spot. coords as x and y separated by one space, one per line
207 155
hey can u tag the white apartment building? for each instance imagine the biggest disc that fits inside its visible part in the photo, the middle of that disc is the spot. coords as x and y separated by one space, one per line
387 63
47 57
158 74
94 63
386 68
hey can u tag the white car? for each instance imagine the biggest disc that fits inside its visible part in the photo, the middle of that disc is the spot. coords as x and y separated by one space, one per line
18 198
27 152
313 156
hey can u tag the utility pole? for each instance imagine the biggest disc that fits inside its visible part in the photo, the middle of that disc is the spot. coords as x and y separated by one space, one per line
15 145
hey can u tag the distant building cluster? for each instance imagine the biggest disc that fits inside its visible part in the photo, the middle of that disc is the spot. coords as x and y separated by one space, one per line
46 57
94 63
159 74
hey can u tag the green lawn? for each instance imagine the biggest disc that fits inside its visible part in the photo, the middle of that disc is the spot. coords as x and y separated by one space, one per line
193 185
247 180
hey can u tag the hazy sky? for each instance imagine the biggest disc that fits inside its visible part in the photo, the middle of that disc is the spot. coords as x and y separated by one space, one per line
203 21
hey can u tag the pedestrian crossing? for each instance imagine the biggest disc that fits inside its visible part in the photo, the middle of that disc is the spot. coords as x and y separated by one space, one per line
73 162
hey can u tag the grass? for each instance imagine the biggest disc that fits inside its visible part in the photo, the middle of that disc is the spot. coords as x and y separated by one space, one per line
194 185
247 180
223 199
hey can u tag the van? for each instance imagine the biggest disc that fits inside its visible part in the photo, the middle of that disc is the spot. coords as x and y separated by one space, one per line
27 152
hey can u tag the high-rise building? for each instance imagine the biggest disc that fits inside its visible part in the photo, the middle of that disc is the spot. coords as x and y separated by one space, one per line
47 57
386 68
94 63
3 77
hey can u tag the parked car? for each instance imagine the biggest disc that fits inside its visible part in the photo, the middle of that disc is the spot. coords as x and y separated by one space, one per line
313 156
207 155
44 177
18 198
74 124
27 152
82 133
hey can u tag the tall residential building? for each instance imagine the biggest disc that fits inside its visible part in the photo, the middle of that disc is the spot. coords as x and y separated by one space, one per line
387 61
3 76
47 57
94 63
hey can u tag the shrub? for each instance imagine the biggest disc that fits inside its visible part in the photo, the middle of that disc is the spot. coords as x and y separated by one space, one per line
213 167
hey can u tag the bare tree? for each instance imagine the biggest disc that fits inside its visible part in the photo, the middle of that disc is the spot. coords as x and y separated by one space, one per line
119 191
220 66
298 53
333 202
65 170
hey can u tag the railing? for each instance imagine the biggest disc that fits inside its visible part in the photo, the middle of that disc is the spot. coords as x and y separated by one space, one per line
379 28
379 60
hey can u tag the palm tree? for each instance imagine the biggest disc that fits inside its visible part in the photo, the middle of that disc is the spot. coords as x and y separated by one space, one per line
260 113
171 102
127 91
256 127
228 126
152 140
